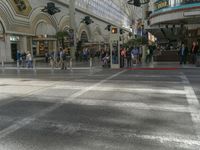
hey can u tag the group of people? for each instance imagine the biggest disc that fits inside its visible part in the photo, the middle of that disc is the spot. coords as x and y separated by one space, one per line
24 59
86 53
133 55
60 58
184 53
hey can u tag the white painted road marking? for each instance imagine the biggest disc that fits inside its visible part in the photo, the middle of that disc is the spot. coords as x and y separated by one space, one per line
20 124
194 104
114 89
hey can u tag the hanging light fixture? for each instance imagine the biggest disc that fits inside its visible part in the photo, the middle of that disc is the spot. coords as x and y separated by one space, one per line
108 27
87 20
137 3
51 9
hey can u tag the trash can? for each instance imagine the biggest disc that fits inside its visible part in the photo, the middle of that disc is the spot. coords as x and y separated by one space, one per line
198 60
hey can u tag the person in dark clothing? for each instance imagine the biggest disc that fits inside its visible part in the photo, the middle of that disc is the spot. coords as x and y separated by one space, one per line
23 59
193 52
128 56
183 52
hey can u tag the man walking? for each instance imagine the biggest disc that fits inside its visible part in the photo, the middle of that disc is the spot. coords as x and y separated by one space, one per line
183 52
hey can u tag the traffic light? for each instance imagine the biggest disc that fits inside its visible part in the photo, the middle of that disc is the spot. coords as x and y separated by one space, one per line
114 30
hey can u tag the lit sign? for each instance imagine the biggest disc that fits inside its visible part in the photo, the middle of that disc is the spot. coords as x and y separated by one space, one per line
114 30
161 4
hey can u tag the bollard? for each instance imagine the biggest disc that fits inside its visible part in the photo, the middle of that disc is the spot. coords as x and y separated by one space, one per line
18 67
90 63
17 64
52 65
2 64
34 65
70 64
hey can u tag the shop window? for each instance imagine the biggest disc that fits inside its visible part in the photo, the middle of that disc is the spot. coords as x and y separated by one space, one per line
43 47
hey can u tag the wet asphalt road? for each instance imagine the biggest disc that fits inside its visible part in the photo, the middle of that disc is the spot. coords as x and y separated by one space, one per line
100 110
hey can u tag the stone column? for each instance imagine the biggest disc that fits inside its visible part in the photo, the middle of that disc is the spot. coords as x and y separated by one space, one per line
37 48
72 19
54 46
144 11
23 44
8 56
2 50
30 41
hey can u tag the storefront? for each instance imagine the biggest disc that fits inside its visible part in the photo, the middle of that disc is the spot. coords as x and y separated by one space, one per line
45 40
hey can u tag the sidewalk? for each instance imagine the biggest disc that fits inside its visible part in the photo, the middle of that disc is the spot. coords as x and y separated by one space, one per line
46 66
97 65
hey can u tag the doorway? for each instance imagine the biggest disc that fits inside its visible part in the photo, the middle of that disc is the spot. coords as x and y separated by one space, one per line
14 51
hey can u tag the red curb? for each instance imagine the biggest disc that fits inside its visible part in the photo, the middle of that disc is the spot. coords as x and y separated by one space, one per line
152 68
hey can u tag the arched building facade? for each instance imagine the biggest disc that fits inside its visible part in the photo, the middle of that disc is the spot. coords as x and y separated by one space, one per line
27 28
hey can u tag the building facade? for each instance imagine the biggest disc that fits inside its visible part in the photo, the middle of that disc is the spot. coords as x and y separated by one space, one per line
24 27
174 21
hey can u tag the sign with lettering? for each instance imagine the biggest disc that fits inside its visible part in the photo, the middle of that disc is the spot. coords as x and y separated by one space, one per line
161 4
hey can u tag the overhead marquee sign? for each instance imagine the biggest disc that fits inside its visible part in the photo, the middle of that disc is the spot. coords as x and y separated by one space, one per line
160 4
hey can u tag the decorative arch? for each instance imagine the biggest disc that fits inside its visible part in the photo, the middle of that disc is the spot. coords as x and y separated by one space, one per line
4 16
64 23
98 30
84 28
97 35
84 37
44 28
2 30
37 17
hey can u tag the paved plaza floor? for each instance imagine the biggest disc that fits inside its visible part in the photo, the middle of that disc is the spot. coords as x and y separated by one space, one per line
100 109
